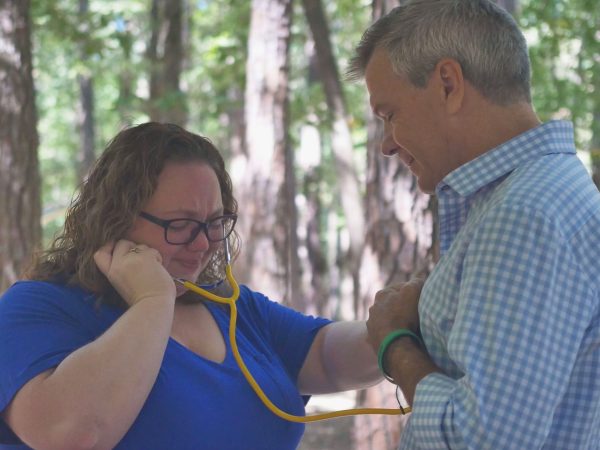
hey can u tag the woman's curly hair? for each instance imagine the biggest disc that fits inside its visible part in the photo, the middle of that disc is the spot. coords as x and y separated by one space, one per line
121 182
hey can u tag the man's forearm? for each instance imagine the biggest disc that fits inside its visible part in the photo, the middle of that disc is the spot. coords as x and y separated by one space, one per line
408 363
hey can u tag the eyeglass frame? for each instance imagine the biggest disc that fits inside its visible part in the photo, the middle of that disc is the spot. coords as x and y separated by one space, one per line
201 226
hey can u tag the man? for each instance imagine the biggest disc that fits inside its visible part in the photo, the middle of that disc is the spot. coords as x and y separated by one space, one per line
501 347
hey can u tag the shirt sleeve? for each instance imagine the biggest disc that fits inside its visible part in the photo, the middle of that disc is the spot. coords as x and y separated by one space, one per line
38 329
288 332
523 308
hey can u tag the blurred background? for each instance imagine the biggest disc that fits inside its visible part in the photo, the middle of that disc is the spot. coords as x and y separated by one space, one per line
325 220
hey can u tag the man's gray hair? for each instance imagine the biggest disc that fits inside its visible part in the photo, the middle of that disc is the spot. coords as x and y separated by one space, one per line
480 35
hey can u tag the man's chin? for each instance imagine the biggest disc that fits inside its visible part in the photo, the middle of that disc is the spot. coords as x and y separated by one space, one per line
426 185
425 188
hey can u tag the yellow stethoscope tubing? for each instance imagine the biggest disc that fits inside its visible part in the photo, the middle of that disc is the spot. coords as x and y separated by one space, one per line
257 389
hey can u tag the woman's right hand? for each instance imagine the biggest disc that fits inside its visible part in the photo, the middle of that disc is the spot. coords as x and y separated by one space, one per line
135 271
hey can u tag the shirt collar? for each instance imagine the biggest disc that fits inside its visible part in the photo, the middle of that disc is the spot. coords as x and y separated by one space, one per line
551 137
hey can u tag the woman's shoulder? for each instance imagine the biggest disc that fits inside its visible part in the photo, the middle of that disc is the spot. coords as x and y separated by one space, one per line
34 295
46 290
254 300
43 304
260 304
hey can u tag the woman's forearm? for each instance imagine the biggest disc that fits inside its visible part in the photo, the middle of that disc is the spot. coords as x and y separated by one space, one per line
96 393
340 359
348 357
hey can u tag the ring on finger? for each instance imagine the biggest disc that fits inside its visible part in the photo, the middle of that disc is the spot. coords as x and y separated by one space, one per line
135 250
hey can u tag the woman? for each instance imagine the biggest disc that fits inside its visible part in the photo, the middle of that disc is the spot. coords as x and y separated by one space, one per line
102 349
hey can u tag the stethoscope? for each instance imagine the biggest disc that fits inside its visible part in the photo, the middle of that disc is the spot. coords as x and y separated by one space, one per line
240 362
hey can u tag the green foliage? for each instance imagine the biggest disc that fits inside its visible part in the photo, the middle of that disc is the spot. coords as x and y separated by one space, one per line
215 73
564 46
109 43
67 44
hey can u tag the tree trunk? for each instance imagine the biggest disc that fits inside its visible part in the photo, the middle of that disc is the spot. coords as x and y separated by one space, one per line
166 55
233 120
317 270
399 242
348 182
267 208
312 216
20 230
85 119
126 101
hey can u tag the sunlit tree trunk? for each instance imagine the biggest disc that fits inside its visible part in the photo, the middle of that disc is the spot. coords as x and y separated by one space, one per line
20 230
311 219
85 120
348 182
294 290
399 242
267 206
311 215
166 56
233 120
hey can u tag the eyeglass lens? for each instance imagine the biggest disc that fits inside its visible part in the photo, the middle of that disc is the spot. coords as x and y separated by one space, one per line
183 231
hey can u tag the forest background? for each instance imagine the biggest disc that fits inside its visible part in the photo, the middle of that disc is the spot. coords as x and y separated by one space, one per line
325 220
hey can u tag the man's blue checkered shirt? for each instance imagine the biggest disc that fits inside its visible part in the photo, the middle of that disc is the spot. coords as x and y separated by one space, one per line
511 311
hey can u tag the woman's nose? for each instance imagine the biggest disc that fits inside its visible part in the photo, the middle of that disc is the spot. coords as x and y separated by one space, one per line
200 242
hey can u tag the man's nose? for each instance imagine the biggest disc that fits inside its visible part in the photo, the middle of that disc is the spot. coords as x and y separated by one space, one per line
388 145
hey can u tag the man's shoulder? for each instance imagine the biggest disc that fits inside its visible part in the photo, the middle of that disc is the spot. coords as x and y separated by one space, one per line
555 188
550 181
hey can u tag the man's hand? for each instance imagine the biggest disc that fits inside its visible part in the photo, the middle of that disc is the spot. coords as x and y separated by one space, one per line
396 306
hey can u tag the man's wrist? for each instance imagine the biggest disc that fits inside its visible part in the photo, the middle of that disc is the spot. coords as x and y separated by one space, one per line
389 340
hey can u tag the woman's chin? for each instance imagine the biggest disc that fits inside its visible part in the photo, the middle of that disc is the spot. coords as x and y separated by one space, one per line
189 297
180 290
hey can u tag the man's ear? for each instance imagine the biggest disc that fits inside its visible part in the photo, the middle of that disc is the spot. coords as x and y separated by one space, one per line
449 75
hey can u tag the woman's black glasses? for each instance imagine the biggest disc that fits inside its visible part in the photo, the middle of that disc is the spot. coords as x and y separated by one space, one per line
184 231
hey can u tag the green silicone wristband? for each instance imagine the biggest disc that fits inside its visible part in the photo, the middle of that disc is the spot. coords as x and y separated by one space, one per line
388 340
